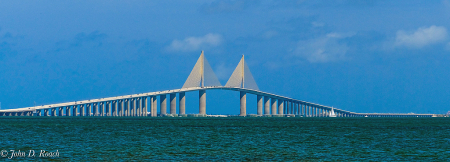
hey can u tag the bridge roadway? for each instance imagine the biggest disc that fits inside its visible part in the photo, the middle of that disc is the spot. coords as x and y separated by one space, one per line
137 105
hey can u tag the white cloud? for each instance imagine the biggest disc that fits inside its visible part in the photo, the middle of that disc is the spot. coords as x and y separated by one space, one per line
323 49
421 37
195 43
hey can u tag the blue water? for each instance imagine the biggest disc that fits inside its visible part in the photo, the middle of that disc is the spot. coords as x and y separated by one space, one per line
206 139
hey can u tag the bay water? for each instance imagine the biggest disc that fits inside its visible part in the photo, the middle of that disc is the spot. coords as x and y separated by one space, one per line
230 138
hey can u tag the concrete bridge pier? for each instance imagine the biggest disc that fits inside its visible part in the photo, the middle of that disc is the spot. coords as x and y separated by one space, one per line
162 104
133 107
243 97
266 105
274 106
75 110
101 108
280 106
67 111
138 106
143 106
202 102
303 109
306 110
95 109
259 105
295 108
108 108
182 103
173 103
146 109
46 112
292 107
116 108
120 107
88 109
127 107
316 111
60 111
82 109
154 105
53 111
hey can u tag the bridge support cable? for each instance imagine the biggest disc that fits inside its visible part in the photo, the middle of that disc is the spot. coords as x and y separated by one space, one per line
242 77
202 75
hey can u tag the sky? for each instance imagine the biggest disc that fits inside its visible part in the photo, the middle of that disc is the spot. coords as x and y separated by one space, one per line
361 56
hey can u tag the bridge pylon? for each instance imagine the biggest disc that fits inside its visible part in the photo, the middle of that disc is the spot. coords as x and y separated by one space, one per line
242 77
202 75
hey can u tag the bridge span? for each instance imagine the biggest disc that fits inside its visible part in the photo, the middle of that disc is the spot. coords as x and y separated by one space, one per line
201 79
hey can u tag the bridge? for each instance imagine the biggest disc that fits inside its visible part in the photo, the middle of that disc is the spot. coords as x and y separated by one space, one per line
201 79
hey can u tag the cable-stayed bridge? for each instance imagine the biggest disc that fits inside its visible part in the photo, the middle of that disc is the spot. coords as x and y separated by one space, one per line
200 79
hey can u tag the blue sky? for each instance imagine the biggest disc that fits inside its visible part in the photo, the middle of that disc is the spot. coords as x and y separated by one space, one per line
361 56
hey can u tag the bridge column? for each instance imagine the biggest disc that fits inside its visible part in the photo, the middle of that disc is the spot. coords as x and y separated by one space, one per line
138 106
182 103
303 109
75 110
295 108
266 105
317 111
120 108
280 106
67 111
274 106
292 107
288 104
162 104
82 109
95 109
101 108
145 104
154 109
259 104
105 109
308 110
243 97
133 107
109 108
202 102
116 108
60 111
89 109
53 111
173 103
127 107
46 112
